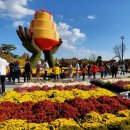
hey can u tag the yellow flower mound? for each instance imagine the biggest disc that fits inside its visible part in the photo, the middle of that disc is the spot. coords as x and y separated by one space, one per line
127 86
126 127
94 126
92 121
14 124
107 116
95 121
54 95
59 124
124 113
93 117
64 124
116 123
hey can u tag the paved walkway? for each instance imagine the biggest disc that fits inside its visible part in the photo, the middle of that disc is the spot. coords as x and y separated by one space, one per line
11 86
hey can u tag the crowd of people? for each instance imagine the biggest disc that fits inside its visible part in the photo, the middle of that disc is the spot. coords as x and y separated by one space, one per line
27 71
58 72
104 69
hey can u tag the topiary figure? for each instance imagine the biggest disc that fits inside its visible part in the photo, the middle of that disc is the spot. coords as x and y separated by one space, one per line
29 44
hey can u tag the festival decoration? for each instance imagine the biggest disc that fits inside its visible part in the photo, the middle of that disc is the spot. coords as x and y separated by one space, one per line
42 35
44 30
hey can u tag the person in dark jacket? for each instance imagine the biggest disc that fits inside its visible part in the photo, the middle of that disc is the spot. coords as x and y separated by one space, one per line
126 68
17 70
11 75
84 71
114 70
89 70
27 71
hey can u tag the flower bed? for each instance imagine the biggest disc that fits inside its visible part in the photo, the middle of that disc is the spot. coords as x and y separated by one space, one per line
52 84
92 121
46 111
117 85
62 107
54 95
56 87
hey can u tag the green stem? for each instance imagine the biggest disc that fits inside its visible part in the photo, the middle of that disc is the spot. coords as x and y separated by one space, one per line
35 58
49 58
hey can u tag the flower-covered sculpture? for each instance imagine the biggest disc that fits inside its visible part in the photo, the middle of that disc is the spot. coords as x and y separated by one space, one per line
42 35
44 30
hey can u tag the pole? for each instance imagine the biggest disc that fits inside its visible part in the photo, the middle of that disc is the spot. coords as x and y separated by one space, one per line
122 37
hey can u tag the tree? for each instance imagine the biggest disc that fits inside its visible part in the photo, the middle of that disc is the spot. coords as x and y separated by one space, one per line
117 49
6 56
8 47
92 56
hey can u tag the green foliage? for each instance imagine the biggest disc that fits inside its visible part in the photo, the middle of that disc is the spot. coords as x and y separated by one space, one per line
8 47
28 43
6 56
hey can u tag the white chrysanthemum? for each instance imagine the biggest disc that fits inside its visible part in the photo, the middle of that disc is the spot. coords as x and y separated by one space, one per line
52 84
114 80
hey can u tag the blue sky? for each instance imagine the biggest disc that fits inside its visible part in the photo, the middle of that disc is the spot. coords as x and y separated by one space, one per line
86 26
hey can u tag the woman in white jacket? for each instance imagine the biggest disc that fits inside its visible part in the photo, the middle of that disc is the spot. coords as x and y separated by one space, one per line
77 70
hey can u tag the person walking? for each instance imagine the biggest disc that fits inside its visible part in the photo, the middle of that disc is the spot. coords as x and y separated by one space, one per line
3 67
38 70
77 70
89 70
46 67
11 75
70 70
126 68
107 69
102 69
17 71
122 69
56 71
94 70
114 70
27 71
84 70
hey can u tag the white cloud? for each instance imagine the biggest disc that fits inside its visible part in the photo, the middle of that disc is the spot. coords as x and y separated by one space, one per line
91 17
2 5
17 23
68 46
15 8
70 35
82 52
